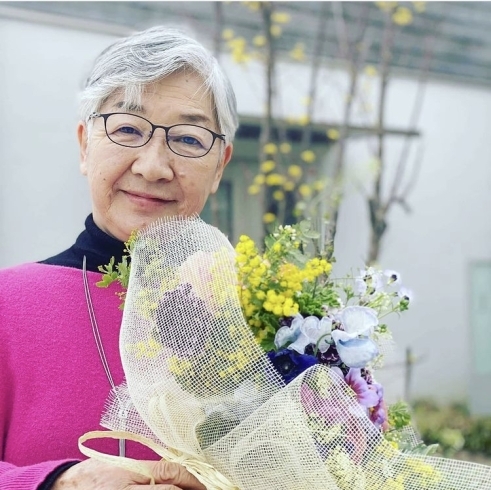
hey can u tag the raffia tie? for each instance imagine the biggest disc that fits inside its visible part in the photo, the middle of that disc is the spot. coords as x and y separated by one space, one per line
204 472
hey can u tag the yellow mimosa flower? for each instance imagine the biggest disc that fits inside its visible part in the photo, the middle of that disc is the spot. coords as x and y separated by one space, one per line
253 190
280 17
295 171
307 156
227 34
285 148
267 166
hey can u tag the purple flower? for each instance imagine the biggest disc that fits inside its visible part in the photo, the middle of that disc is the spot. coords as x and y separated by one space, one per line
378 414
182 321
290 363
366 396
330 357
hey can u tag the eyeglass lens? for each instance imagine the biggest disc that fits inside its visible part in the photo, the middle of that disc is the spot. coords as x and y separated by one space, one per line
134 131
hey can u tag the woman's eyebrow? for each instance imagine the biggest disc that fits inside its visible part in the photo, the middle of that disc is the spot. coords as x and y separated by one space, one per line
191 118
195 118
129 107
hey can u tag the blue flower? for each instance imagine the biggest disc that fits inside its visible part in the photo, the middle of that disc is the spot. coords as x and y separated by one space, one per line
290 363
353 343
357 353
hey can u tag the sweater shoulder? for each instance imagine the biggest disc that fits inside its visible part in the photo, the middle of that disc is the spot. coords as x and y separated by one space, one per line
36 282
25 277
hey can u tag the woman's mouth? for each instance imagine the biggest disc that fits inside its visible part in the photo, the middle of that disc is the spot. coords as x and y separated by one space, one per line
144 200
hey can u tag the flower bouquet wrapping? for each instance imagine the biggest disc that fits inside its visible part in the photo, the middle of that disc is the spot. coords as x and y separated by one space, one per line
256 371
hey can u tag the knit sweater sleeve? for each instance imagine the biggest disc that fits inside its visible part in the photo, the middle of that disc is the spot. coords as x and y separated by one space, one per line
12 477
33 477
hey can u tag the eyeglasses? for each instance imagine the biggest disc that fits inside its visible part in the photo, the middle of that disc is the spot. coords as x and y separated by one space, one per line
186 140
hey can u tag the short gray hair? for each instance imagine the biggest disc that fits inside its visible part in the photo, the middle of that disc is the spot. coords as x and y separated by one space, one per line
149 56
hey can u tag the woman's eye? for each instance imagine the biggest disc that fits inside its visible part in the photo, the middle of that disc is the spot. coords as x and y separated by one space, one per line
129 130
189 140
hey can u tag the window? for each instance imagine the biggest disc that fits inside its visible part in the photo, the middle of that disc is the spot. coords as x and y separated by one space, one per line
218 210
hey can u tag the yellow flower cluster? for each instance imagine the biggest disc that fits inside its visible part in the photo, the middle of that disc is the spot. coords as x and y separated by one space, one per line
269 284
428 476
148 349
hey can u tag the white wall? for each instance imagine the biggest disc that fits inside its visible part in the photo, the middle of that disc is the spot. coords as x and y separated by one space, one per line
44 200
43 197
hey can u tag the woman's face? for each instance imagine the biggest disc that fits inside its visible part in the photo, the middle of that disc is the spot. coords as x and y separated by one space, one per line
131 187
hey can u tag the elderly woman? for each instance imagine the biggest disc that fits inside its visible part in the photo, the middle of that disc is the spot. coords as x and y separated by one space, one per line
157 120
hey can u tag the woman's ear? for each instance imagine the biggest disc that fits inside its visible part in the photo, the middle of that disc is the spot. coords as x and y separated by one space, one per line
82 137
227 155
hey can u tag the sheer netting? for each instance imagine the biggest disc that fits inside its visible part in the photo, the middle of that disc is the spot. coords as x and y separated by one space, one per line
201 387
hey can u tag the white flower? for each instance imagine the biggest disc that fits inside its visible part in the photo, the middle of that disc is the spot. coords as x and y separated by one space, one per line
405 293
369 282
360 286
305 331
393 276
357 320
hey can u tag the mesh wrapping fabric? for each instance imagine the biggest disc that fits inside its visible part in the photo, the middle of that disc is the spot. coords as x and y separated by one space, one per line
199 384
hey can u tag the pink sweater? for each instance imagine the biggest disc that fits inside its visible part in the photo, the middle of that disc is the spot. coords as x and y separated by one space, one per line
52 383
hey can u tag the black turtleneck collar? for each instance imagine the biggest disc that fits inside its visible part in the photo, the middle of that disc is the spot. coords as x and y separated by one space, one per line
96 245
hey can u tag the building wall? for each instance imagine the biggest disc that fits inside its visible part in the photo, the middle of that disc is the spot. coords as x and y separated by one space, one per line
44 200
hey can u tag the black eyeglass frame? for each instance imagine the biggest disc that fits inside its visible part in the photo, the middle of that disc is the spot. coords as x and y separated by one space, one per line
216 136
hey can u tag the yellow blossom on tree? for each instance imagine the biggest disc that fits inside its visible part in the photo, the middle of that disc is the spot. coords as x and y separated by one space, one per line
270 149
298 52
267 166
269 218
228 34
275 30
303 120
259 179
240 57
280 17
386 6
333 133
253 190
419 7
318 185
278 195
254 6
305 190
288 185
307 156
285 148
237 43
402 16
259 41
295 171
370 71
275 179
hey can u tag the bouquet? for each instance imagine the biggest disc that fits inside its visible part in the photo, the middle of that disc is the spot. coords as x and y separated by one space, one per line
257 371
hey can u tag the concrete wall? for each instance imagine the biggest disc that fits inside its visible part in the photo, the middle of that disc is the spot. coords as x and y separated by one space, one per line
44 200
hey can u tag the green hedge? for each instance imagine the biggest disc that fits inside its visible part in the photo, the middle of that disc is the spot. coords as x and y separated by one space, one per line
452 428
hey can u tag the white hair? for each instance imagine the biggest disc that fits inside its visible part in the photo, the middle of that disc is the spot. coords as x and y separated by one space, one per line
133 62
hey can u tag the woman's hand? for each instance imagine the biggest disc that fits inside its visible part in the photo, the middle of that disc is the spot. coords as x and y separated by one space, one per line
94 475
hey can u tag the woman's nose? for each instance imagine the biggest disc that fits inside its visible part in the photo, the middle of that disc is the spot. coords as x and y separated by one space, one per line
155 160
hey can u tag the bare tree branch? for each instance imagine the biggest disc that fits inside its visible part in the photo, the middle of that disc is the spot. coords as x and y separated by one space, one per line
416 112
356 56
316 62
